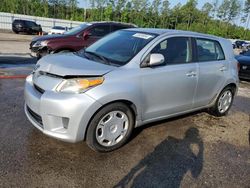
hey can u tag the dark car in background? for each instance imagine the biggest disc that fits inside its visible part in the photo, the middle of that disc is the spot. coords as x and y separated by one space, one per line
26 26
244 62
75 39
241 44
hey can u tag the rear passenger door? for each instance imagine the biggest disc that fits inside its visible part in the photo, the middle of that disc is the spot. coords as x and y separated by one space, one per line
212 69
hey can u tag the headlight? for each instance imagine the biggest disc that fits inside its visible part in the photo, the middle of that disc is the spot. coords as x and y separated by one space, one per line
40 43
78 85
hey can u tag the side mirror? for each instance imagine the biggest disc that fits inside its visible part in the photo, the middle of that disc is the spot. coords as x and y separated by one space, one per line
156 59
86 35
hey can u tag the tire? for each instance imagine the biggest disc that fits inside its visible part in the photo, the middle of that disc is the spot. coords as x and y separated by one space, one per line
220 109
111 136
39 56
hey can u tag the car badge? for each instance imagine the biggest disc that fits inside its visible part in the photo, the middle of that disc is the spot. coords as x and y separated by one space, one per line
244 67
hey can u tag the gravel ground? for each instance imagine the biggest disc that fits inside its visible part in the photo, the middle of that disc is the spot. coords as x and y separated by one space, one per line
14 44
195 150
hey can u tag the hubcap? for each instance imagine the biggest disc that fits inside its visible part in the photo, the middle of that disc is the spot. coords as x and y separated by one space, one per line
112 128
225 101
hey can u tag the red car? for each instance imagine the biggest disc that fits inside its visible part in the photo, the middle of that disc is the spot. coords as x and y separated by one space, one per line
75 39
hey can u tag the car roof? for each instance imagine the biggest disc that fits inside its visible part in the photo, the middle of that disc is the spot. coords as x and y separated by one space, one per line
157 31
24 20
113 22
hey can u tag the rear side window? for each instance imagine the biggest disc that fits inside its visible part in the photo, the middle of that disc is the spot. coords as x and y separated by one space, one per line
99 31
209 50
30 24
176 50
18 22
118 27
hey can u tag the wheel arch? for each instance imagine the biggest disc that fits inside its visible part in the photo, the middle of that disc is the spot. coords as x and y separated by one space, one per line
228 84
130 104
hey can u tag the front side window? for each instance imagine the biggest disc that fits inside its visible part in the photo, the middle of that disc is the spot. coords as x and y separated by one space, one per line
100 30
209 50
176 50
121 46
77 29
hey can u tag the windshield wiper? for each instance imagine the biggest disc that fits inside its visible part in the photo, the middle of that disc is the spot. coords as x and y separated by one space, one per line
104 59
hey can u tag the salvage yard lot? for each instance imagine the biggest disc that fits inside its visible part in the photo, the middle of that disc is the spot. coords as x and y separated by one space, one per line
11 43
195 150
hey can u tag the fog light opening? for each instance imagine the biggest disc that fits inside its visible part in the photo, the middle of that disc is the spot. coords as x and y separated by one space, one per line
65 122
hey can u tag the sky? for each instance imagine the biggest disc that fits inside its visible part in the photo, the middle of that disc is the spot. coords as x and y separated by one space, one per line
83 3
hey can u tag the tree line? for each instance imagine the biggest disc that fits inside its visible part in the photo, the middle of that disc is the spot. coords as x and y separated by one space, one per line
221 18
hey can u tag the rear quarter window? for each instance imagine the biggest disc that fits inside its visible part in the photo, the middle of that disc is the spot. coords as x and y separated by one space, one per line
209 50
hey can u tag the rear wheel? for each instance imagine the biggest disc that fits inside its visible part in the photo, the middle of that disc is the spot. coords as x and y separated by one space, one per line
110 128
223 102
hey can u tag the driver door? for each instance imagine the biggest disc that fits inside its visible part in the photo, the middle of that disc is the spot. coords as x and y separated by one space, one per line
170 88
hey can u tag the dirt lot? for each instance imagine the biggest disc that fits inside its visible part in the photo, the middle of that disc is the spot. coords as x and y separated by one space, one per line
195 150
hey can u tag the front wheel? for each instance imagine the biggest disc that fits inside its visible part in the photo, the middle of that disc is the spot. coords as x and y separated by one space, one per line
110 128
223 102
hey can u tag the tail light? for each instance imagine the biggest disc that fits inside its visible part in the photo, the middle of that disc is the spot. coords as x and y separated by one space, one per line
238 66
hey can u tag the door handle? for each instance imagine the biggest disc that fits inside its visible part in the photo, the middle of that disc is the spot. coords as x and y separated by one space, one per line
223 68
191 74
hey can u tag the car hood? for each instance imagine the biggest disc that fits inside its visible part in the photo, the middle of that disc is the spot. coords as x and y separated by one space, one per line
70 65
47 37
243 59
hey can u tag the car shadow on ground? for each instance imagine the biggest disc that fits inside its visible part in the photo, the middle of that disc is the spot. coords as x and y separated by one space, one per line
243 104
168 163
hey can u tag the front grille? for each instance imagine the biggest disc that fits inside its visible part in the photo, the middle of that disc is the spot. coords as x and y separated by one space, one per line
40 90
36 117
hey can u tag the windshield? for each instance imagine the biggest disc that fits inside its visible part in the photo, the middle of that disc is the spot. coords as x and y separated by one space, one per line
245 53
121 46
77 29
58 27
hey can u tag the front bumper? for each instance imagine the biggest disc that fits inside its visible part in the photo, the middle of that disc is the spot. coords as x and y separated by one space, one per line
244 75
62 116
39 50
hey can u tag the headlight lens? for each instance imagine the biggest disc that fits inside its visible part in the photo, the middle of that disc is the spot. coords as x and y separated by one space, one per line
40 43
78 85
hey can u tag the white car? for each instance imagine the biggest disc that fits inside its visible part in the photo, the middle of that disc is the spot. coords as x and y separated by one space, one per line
57 30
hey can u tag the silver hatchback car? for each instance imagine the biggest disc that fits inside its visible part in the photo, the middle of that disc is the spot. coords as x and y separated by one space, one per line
127 79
